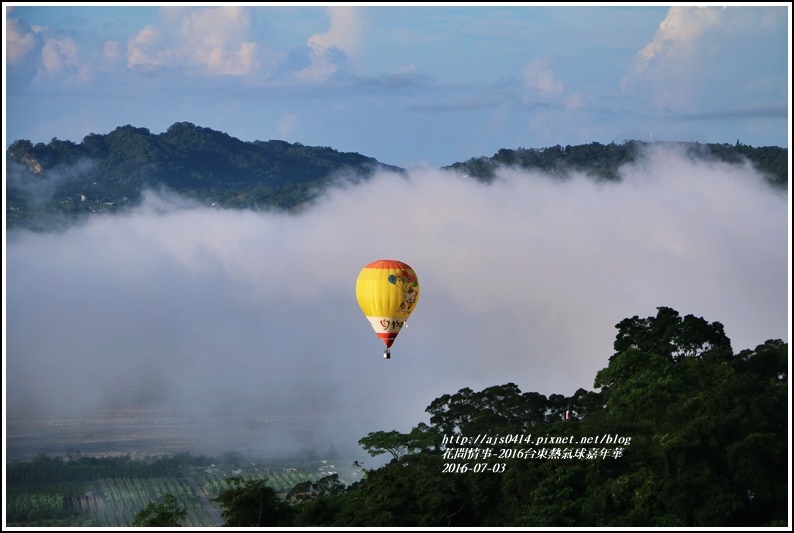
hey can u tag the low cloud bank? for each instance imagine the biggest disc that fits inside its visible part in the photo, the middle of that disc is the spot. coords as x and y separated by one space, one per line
189 309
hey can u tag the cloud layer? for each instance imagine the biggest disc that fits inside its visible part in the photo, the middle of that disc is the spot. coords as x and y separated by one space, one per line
189 309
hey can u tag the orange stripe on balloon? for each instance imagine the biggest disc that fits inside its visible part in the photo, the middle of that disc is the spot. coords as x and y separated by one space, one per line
388 263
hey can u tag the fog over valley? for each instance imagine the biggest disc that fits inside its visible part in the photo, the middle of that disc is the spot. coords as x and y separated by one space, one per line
185 310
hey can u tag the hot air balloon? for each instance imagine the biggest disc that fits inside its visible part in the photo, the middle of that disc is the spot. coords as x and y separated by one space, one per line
387 291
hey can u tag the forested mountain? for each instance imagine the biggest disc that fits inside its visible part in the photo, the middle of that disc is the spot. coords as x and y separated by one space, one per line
107 173
603 161
62 181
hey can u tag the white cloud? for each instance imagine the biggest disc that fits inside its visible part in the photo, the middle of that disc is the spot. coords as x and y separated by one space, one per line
216 40
211 41
694 52
20 41
61 60
542 80
678 33
344 32
111 51
144 49
52 59
343 35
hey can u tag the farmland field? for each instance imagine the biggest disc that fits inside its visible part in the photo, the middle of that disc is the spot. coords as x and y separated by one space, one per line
142 431
100 471
114 501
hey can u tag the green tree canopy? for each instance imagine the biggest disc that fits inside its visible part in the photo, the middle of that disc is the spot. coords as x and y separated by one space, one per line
251 502
167 513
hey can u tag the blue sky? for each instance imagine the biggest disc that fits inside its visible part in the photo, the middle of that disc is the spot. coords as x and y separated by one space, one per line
410 85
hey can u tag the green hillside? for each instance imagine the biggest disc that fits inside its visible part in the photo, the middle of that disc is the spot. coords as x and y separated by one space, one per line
55 184
62 181
604 161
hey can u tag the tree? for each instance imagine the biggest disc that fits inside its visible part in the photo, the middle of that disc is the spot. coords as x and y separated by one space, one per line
670 336
709 427
251 502
307 490
412 492
496 409
165 514
399 444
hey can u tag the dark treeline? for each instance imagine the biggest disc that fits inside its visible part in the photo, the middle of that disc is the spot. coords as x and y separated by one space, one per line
683 432
76 467
48 185
603 161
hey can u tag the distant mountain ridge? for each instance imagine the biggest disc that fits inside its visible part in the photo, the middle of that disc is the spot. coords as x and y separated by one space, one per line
603 161
62 181
105 173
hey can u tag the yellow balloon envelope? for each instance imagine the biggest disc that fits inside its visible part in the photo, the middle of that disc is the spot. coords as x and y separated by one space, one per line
387 291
